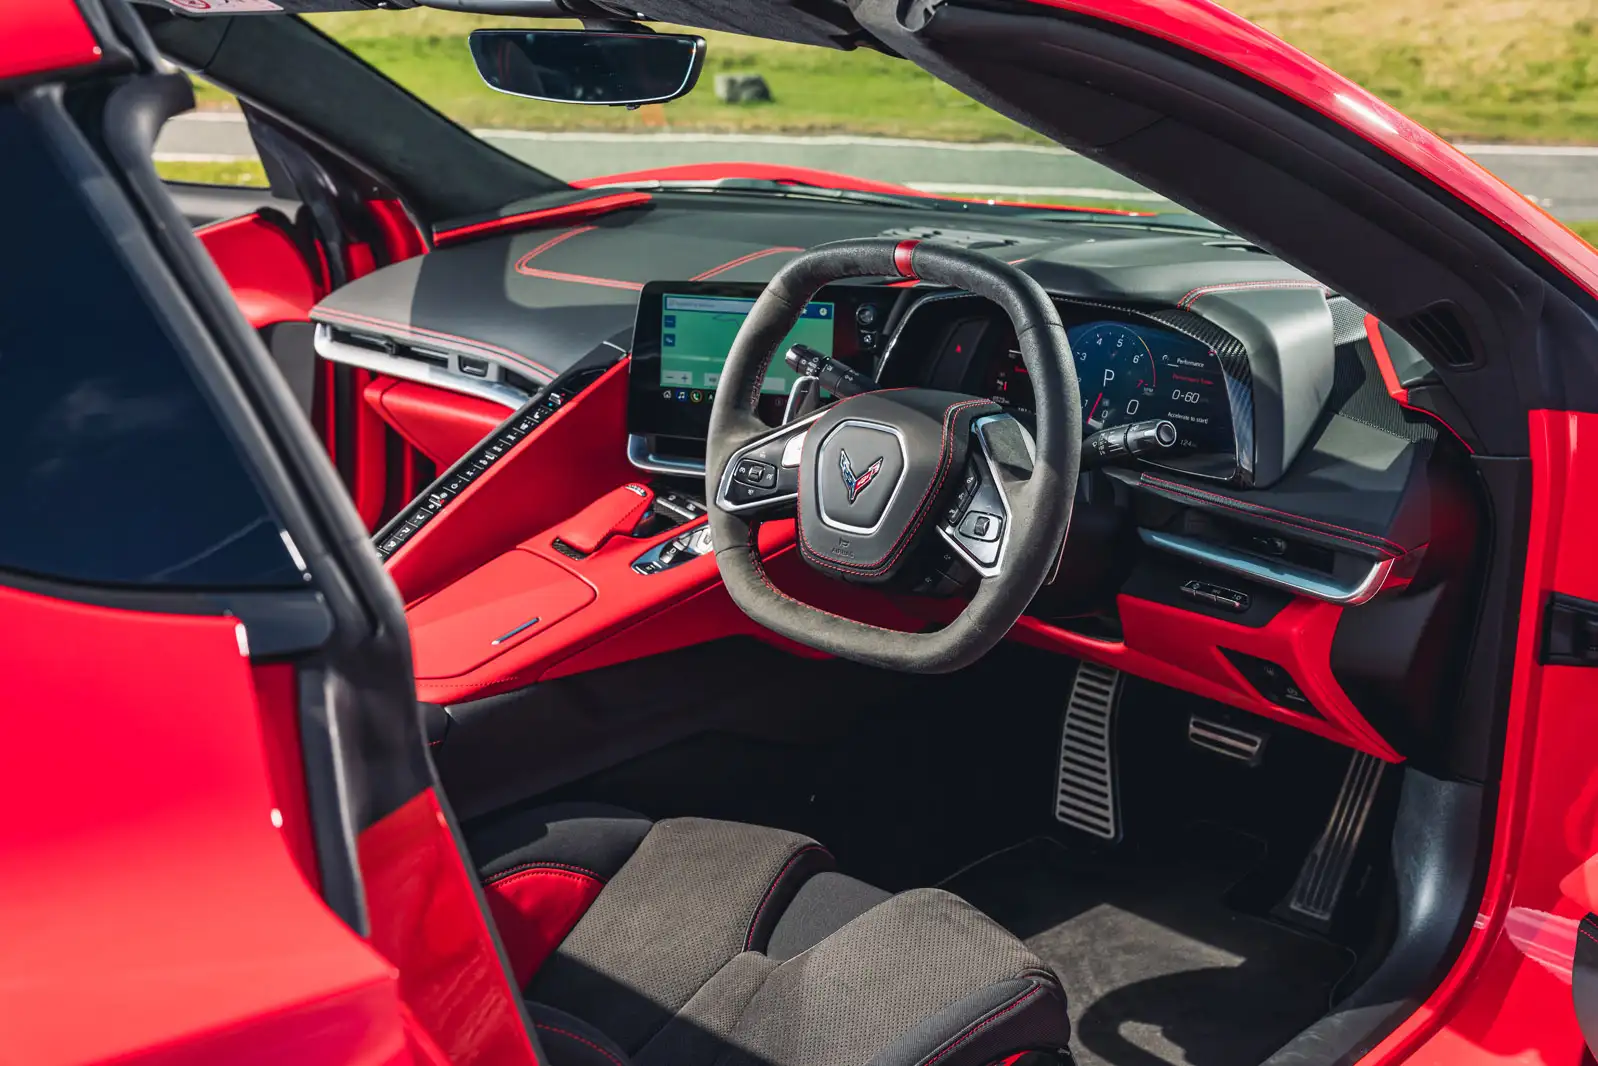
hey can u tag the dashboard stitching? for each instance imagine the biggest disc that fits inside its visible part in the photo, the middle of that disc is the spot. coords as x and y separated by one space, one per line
1239 286
945 464
352 318
1310 525
577 279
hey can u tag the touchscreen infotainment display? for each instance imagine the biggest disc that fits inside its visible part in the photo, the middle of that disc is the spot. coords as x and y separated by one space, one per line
684 330
696 333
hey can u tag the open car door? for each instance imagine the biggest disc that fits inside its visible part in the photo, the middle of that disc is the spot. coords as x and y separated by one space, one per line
213 759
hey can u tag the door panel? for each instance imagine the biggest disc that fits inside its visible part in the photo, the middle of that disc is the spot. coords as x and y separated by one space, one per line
150 836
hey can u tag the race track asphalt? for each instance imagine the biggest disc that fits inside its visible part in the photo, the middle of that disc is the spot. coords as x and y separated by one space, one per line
1563 180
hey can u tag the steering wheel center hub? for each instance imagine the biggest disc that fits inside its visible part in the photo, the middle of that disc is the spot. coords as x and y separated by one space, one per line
873 469
869 460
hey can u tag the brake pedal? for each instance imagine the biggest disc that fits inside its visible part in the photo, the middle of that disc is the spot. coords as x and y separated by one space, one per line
1086 798
1226 740
1321 879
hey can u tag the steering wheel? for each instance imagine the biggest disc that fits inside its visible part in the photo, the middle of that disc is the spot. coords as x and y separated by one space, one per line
882 481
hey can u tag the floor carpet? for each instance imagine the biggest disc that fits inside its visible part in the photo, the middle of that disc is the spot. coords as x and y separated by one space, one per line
1157 969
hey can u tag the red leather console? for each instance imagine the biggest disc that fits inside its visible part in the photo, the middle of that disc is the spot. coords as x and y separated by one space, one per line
438 423
490 611
617 512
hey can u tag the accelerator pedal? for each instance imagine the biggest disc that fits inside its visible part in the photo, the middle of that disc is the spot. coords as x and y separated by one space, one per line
1087 798
1320 880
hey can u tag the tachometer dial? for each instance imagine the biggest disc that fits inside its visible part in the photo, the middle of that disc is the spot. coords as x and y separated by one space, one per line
1116 373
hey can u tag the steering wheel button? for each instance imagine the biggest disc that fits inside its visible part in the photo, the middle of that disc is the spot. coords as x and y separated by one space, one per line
979 525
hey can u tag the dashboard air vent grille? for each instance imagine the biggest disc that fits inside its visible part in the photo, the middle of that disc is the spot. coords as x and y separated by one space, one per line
1443 335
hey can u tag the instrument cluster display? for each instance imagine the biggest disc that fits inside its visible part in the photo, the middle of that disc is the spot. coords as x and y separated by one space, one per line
1133 373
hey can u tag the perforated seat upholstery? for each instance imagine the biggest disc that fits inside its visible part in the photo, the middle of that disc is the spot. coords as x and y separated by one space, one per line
692 942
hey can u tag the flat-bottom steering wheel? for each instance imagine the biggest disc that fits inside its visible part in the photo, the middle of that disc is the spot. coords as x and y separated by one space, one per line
874 478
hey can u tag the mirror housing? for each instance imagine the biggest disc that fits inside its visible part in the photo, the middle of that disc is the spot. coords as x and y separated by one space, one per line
589 66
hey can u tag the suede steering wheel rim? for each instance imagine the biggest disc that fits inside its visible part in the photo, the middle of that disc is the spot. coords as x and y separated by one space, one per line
1039 507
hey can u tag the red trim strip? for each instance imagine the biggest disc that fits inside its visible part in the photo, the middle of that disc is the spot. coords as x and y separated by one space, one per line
1395 388
1384 361
562 213
901 258
577 279
742 259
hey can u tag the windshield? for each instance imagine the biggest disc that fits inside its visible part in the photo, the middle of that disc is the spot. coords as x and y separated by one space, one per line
760 104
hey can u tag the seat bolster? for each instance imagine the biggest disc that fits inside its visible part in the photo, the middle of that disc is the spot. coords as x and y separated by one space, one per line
568 1041
1025 1014
543 868
592 838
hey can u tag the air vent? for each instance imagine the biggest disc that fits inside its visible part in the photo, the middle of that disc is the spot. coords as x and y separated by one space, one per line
1442 335
1237 246
423 355
369 341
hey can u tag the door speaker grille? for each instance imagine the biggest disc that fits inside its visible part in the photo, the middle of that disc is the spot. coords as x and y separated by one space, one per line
1086 798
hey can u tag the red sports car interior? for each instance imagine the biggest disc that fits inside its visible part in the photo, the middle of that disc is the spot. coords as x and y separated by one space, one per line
744 614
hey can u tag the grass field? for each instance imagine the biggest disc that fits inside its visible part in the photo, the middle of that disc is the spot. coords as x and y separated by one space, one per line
1505 70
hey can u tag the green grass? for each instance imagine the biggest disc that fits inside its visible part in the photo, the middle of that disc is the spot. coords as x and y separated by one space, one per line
814 90
243 172
1587 231
1493 70
1504 70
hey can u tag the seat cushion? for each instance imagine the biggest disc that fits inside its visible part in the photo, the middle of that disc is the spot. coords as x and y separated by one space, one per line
922 977
693 895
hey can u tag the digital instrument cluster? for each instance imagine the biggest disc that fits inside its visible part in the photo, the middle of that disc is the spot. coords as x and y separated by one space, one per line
1132 373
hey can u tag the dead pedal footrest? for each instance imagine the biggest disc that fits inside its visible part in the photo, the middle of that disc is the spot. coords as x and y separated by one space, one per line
1086 798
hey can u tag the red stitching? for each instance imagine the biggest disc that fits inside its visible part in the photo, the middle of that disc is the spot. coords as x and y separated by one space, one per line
573 1036
541 867
749 941
1583 931
742 259
945 464
357 319
1311 525
557 275
974 1030
1230 286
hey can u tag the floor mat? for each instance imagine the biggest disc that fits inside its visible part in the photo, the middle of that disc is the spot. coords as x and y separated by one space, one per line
1158 971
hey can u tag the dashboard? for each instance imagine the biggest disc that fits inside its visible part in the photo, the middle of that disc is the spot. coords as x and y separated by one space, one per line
1132 365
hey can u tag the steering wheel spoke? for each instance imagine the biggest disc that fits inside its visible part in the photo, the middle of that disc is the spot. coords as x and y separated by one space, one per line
761 478
977 523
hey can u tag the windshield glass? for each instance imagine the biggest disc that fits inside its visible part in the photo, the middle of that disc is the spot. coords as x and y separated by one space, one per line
758 103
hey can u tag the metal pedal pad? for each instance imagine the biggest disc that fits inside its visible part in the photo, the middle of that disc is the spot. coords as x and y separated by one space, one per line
1226 740
1320 880
1086 798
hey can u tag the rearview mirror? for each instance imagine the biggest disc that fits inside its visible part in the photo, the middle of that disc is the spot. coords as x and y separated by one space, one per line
589 66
